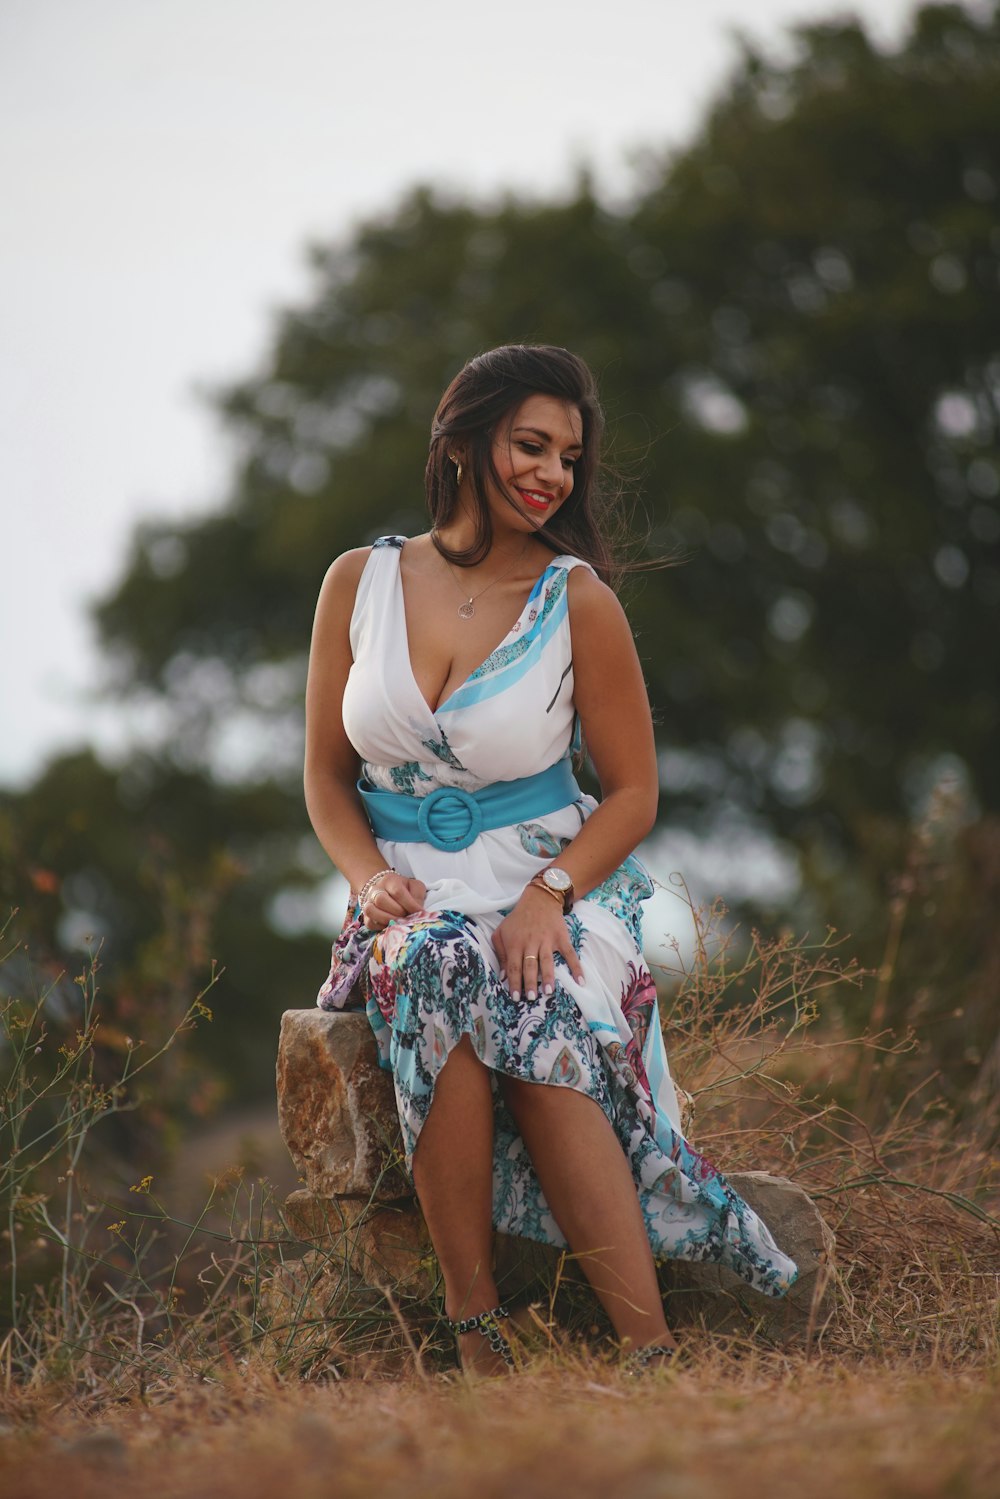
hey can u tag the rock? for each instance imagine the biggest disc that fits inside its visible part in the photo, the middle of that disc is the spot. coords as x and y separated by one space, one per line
716 1297
320 1319
385 1243
390 1246
336 1106
319 1219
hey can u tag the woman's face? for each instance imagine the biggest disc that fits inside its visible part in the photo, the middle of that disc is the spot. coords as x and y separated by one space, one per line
534 453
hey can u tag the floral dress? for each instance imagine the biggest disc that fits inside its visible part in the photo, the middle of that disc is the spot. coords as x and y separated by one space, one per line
433 977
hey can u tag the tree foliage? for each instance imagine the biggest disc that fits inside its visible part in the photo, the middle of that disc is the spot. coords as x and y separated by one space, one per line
796 324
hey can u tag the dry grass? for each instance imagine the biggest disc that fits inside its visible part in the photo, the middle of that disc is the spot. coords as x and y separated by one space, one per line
760 1424
152 1362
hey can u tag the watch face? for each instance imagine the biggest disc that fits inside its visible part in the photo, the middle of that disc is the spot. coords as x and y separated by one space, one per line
557 879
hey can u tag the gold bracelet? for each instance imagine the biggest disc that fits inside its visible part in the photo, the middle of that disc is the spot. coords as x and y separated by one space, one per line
540 884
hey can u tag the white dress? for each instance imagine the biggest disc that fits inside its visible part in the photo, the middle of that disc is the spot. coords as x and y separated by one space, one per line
434 976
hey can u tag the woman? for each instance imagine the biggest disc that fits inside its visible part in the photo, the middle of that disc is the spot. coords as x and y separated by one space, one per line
496 925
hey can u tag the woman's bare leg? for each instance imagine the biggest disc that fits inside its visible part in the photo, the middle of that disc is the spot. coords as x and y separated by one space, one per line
588 1185
453 1175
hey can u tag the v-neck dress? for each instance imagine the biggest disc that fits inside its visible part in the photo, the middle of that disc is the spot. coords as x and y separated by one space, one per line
433 977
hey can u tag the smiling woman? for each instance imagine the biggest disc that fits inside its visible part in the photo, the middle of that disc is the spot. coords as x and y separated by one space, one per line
496 924
519 429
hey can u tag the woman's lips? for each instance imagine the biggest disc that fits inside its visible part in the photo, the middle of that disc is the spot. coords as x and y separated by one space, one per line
536 501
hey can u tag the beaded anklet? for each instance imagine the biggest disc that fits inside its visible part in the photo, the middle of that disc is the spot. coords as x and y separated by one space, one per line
638 1361
486 1323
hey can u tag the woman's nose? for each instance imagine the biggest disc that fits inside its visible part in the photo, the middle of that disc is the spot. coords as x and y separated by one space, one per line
550 469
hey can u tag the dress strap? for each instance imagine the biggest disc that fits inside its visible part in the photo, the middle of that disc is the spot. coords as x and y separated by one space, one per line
375 592
567 562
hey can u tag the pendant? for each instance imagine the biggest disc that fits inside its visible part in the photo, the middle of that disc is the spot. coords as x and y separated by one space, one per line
466 611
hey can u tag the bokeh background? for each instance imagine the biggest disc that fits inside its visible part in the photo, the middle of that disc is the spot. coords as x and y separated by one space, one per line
245 248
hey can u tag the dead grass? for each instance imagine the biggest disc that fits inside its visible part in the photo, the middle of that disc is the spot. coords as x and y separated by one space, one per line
761 1423
162 1370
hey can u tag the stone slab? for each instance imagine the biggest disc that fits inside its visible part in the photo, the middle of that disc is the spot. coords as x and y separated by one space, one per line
715 1297
318 1318
384 1243
336 1106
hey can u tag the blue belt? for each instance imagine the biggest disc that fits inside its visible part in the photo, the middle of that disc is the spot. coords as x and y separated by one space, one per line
450 819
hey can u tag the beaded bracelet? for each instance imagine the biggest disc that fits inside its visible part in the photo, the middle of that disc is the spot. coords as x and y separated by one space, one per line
369 884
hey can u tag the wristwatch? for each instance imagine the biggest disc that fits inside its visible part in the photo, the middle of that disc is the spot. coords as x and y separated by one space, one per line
557 882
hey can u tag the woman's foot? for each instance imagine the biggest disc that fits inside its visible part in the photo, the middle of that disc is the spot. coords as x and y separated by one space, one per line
483 1350
651 1357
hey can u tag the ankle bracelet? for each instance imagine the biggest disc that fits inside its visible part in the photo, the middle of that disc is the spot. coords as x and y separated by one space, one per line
638 1361
487 1324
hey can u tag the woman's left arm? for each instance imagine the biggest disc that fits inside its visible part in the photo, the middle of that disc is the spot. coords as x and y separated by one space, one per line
610 696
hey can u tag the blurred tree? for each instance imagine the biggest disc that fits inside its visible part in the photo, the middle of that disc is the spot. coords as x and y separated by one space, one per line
165 874
802 309
796 321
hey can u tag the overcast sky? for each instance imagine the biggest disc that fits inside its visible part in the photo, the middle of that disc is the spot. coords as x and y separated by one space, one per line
161 166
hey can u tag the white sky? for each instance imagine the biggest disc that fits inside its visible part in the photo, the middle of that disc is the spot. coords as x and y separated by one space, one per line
162 163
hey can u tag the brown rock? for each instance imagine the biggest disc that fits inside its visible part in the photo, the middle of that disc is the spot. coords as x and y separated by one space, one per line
319 1220
390 1246
384 1243
716 1297
319 1318
336 1107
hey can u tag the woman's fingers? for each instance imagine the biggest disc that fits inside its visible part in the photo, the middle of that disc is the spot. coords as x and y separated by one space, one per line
380 908
394 897
527 969
528 957
397 888
500 949
569 953
531 967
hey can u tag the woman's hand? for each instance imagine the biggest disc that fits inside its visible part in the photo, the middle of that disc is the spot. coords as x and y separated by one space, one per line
526 942
397 895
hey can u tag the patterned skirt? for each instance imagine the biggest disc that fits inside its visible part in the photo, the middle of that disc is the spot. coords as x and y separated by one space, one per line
433 978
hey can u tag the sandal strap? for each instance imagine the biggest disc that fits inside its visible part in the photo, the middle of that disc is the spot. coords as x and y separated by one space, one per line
487 1324
639 1360
481 1322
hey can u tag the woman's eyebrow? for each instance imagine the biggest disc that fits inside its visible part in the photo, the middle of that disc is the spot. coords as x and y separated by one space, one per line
571 447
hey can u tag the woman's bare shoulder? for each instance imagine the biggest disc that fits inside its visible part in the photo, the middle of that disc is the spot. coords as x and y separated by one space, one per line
339 591
591 602
344 573
349 565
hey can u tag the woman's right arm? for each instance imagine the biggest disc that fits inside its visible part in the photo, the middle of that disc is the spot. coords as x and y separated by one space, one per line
331 761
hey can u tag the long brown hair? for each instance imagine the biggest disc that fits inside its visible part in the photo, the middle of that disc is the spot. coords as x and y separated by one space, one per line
484 393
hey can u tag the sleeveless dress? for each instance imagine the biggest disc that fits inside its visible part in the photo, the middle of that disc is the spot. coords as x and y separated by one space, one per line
433 977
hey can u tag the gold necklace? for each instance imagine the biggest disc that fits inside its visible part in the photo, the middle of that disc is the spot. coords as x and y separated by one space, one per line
468 609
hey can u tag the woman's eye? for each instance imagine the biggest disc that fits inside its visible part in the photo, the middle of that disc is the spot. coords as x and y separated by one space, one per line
530 447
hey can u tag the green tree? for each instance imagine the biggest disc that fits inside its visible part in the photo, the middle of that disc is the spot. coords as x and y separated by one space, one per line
798 318
796 322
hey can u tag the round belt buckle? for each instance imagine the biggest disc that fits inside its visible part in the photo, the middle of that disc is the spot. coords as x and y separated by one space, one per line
450 818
